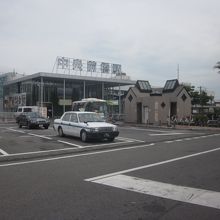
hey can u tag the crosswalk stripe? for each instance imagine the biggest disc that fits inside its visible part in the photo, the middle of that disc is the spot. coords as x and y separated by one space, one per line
185 194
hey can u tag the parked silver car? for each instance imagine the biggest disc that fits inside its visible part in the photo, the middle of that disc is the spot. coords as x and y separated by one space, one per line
86 125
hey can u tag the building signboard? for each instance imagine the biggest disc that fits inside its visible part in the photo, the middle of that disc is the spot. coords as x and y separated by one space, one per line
15 100
65 101
86 66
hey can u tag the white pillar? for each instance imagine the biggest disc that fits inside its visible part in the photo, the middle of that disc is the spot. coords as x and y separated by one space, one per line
64 95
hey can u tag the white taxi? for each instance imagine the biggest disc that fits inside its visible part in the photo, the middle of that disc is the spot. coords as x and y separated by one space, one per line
86 125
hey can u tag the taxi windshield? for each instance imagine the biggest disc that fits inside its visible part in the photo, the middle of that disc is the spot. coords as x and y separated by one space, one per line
90 117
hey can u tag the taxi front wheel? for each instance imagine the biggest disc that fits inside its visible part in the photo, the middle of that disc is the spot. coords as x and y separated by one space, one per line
84 136
60 132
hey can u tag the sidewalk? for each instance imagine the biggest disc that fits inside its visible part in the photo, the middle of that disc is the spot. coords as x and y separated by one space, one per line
123 124
178 127
197 128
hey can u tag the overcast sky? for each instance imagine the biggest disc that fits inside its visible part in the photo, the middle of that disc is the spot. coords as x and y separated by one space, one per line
149 38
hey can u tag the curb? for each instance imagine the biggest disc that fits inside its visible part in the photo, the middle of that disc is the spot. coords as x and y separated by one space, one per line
60 153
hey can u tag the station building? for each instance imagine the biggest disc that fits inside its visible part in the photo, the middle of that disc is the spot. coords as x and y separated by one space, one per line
57 91
75 79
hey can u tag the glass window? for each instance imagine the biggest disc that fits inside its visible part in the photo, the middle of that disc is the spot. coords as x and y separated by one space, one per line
74 118
27 109
66 117
144 85
170 84
90 117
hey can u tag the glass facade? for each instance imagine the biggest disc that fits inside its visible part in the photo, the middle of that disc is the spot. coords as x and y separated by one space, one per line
49 92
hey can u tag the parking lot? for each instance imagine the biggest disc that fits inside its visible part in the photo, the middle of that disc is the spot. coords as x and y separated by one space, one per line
23 141
146 173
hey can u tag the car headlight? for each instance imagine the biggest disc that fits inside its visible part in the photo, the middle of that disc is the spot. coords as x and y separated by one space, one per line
94 129
115 128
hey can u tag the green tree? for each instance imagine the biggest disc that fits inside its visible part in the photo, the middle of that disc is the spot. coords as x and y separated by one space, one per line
199 97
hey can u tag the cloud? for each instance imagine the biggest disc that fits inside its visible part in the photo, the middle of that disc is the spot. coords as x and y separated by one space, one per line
149 38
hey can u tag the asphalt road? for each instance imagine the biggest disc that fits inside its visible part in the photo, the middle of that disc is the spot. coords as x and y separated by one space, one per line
145 174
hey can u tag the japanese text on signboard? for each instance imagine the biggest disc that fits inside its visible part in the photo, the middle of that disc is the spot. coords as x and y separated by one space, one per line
87 66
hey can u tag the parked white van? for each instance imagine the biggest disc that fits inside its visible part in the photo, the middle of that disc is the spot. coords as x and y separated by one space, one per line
22 109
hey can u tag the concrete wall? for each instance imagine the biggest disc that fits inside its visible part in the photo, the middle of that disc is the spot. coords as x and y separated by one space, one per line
156 109
184 107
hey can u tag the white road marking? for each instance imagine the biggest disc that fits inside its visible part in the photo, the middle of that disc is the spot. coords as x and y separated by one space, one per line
143 129
130 139
39 152
3 152
11 129
41 136
69 143
25 136
153 164
168 142
76 155
178 140
125 140
216 134
50 135
110 144
164 134
187 139
164 190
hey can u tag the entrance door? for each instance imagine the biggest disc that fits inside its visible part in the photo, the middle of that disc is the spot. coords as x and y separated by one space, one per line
139 112
146 114
173 109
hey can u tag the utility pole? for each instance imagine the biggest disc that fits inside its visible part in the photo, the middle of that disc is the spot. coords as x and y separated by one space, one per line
41 92
200 99
200 95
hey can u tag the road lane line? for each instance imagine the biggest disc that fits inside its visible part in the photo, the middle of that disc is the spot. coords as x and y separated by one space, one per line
69 143
143 129
130 139
11 129
25 136
168 142
110 144
127 140
153 164
190 139
187 139
185 194
38 152
3 152
76 155
166 134
41 136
